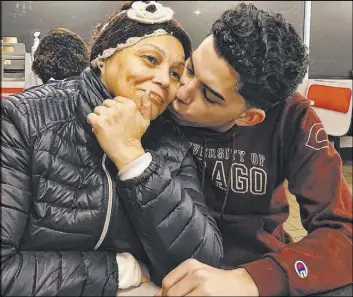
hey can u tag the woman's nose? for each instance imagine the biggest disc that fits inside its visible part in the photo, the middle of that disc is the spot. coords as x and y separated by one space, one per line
162 77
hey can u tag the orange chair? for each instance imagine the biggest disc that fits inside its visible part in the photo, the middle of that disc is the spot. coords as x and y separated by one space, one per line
332 101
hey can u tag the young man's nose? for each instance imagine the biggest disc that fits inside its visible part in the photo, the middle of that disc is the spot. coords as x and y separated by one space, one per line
184 93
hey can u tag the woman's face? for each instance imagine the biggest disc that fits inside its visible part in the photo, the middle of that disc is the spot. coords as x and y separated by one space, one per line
154 63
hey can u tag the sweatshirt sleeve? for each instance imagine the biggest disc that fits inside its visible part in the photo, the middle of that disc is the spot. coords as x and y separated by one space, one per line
322 260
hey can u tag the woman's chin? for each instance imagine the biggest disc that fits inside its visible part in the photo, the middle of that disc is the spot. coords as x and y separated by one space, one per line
155 111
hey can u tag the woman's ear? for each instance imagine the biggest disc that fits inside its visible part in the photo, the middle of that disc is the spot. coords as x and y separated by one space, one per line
102 70
101 64
250 117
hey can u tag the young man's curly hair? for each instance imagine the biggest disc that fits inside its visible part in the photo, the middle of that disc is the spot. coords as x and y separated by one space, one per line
60 54
265 50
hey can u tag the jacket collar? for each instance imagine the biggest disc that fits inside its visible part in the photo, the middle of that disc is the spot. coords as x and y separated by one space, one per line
96 92
92 93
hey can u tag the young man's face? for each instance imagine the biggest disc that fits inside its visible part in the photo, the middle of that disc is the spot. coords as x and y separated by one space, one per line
208 97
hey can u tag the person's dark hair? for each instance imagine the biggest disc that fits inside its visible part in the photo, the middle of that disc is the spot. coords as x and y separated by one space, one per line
265 50
118 28
60 54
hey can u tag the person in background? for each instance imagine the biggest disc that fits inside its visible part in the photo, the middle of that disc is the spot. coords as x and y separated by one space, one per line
250 131
59 55
77 216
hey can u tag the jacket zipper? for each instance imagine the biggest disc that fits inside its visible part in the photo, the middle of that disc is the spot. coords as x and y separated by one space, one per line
110 205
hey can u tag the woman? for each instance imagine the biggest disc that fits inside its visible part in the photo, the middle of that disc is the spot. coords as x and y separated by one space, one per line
64 223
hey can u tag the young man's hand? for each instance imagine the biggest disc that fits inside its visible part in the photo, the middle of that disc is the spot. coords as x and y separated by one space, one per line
193 278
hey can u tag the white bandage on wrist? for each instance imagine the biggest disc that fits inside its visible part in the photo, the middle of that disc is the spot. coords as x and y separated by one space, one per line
136 167
129 270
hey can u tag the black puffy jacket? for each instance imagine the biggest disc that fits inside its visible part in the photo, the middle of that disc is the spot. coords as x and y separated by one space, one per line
65 213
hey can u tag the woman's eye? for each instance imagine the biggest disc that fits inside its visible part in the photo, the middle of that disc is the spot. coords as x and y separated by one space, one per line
175 74
189 71
151 59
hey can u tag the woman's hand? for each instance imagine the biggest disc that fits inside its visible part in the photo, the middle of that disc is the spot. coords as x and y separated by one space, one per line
119 127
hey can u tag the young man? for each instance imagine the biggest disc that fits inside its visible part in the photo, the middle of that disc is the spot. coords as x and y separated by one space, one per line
253 132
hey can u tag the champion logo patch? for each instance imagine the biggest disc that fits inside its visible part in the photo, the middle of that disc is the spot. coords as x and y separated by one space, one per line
301 269
317 138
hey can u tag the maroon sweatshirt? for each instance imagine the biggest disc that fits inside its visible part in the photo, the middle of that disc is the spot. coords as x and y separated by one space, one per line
245 169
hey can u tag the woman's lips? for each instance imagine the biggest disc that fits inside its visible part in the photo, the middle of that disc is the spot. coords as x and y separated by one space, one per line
156 98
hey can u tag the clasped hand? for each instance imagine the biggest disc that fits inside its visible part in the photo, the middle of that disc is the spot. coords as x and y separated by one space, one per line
119 126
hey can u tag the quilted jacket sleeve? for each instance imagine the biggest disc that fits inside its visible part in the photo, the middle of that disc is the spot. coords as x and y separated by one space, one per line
168 211
39 273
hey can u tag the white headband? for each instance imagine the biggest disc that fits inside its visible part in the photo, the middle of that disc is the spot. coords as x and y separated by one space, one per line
139 13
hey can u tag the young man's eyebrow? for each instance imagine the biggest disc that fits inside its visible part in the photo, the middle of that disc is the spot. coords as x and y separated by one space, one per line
206 86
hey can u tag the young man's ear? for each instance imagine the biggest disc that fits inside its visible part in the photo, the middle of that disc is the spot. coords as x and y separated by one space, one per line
250 117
